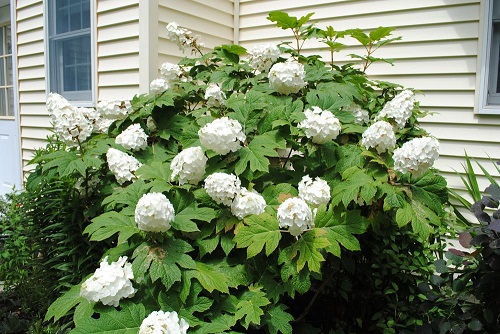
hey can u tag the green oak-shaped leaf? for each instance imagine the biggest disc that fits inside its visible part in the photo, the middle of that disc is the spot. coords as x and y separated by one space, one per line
109 223
162 262
309 247
127 320
259 231
250 306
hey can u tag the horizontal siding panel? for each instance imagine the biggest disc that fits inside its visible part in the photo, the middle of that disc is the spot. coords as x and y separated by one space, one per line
28 9
463 132
31 48
221 5
117 63
459 116
438 82
117 48
447 99
118 17
39 121
34 133
30 36
187 11
121 78
32 97
30 23
113 5
33 109
32 85
35 72
34 59
459 148
199 26
425 66
26 3
117 92
123 31
349 7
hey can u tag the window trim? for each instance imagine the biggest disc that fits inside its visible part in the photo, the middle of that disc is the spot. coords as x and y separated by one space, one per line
49 72
484 61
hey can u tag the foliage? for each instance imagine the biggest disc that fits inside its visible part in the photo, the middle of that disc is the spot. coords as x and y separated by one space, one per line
364 255
462 296
45 250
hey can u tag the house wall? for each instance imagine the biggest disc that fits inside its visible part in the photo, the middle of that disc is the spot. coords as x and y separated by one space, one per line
437 55
116 70
213 20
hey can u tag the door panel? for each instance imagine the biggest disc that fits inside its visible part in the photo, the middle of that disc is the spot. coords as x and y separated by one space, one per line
10 164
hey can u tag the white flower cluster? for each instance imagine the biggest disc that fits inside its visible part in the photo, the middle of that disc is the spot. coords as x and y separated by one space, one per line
247 203
222 135
158 86
71 124
296 215
361 115
110 111
114 109
314 191
189 165
171 72
379 135
122 165
133 138
110 282
222 187
416 155
287 78
262 57
214 95
160 322
154 213
320 125
399 108
183 37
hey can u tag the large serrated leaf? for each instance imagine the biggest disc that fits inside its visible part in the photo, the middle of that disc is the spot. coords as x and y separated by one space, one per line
127 320
163 262
308 248
250 306
109 223
62 305
259 231
185 220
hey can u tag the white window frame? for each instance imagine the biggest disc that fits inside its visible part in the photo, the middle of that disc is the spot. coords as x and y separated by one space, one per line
488 103
74 98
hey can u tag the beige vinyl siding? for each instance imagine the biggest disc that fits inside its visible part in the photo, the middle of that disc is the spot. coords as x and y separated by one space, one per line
117 49
212 20
30 36
437 55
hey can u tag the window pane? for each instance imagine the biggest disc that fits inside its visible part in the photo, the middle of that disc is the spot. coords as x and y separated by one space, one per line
62 20
3 107
2 72
84 77
2 40
8 61
10 99
76 63
8 40
75 14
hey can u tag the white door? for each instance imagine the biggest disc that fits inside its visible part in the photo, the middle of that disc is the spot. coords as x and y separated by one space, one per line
10 162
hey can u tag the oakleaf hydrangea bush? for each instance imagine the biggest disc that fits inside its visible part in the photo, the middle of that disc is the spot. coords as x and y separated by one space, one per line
239 188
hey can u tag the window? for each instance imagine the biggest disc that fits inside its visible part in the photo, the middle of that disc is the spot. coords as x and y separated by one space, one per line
70 49
6 89
489 85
